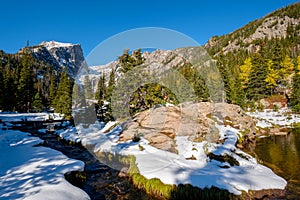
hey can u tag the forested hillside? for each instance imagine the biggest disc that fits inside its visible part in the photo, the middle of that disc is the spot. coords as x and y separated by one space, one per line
261 59
31 85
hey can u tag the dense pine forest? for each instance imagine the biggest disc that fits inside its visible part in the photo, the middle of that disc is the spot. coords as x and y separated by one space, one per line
29 85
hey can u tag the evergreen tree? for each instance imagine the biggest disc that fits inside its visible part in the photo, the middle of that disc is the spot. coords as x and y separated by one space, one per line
78 97
277 54
195 80
88 89
101 91
108 95
256 87
128 62
52 89
25 91
38 102
9 89
111 85
295 97
63 99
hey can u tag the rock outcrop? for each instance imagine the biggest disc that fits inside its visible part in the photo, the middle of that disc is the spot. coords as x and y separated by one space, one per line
160 125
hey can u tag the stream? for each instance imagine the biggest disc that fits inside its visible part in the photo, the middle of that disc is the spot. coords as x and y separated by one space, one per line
102 182
282 155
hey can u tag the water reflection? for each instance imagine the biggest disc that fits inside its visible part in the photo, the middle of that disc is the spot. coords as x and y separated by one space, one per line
282 154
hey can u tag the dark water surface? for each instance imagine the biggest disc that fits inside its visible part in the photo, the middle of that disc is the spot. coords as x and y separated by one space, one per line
282 155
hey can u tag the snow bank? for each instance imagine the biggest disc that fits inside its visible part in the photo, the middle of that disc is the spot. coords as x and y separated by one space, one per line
179 168
69 134
28 172
9 117
268 118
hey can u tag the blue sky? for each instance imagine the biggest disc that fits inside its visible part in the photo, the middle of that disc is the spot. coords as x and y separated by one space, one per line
90 22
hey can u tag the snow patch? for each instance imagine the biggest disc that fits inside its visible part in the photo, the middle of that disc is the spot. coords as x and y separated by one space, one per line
28 172
10 117
70 134
53 44
268 117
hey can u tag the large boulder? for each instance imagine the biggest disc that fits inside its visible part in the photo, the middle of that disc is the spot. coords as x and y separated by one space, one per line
160 125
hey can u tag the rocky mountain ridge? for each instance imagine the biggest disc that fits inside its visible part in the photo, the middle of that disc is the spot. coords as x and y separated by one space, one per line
60 55
158 61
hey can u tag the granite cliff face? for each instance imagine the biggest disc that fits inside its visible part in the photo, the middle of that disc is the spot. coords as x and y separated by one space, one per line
60 55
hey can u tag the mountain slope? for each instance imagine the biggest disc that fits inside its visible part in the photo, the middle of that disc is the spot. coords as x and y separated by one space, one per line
278 24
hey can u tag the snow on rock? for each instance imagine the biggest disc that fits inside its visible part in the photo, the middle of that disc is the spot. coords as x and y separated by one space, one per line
53 44
28 172
69 134
268 118
172 168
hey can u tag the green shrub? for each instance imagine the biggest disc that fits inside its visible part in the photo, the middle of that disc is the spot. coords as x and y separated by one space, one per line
141 148
275 108
136 137
189 192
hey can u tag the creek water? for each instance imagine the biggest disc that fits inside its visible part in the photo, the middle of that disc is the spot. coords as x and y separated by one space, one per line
102 182
282 155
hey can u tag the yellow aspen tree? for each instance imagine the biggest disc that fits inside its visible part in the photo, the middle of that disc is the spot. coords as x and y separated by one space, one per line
287 68
245 70
272 76
298 65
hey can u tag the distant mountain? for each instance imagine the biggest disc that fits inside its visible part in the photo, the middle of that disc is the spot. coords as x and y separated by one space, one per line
158 60
60 55
278 24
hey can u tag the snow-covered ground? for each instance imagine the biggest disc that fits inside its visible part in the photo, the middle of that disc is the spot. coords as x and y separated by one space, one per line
28 172
5 117
269 118
69 134
173 168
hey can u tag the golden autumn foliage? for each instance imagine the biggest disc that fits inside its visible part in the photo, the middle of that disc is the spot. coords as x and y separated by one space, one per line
245 70
272 76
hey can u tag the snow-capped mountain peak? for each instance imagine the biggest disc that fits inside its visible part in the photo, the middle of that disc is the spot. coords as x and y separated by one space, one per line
60 55
55 44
